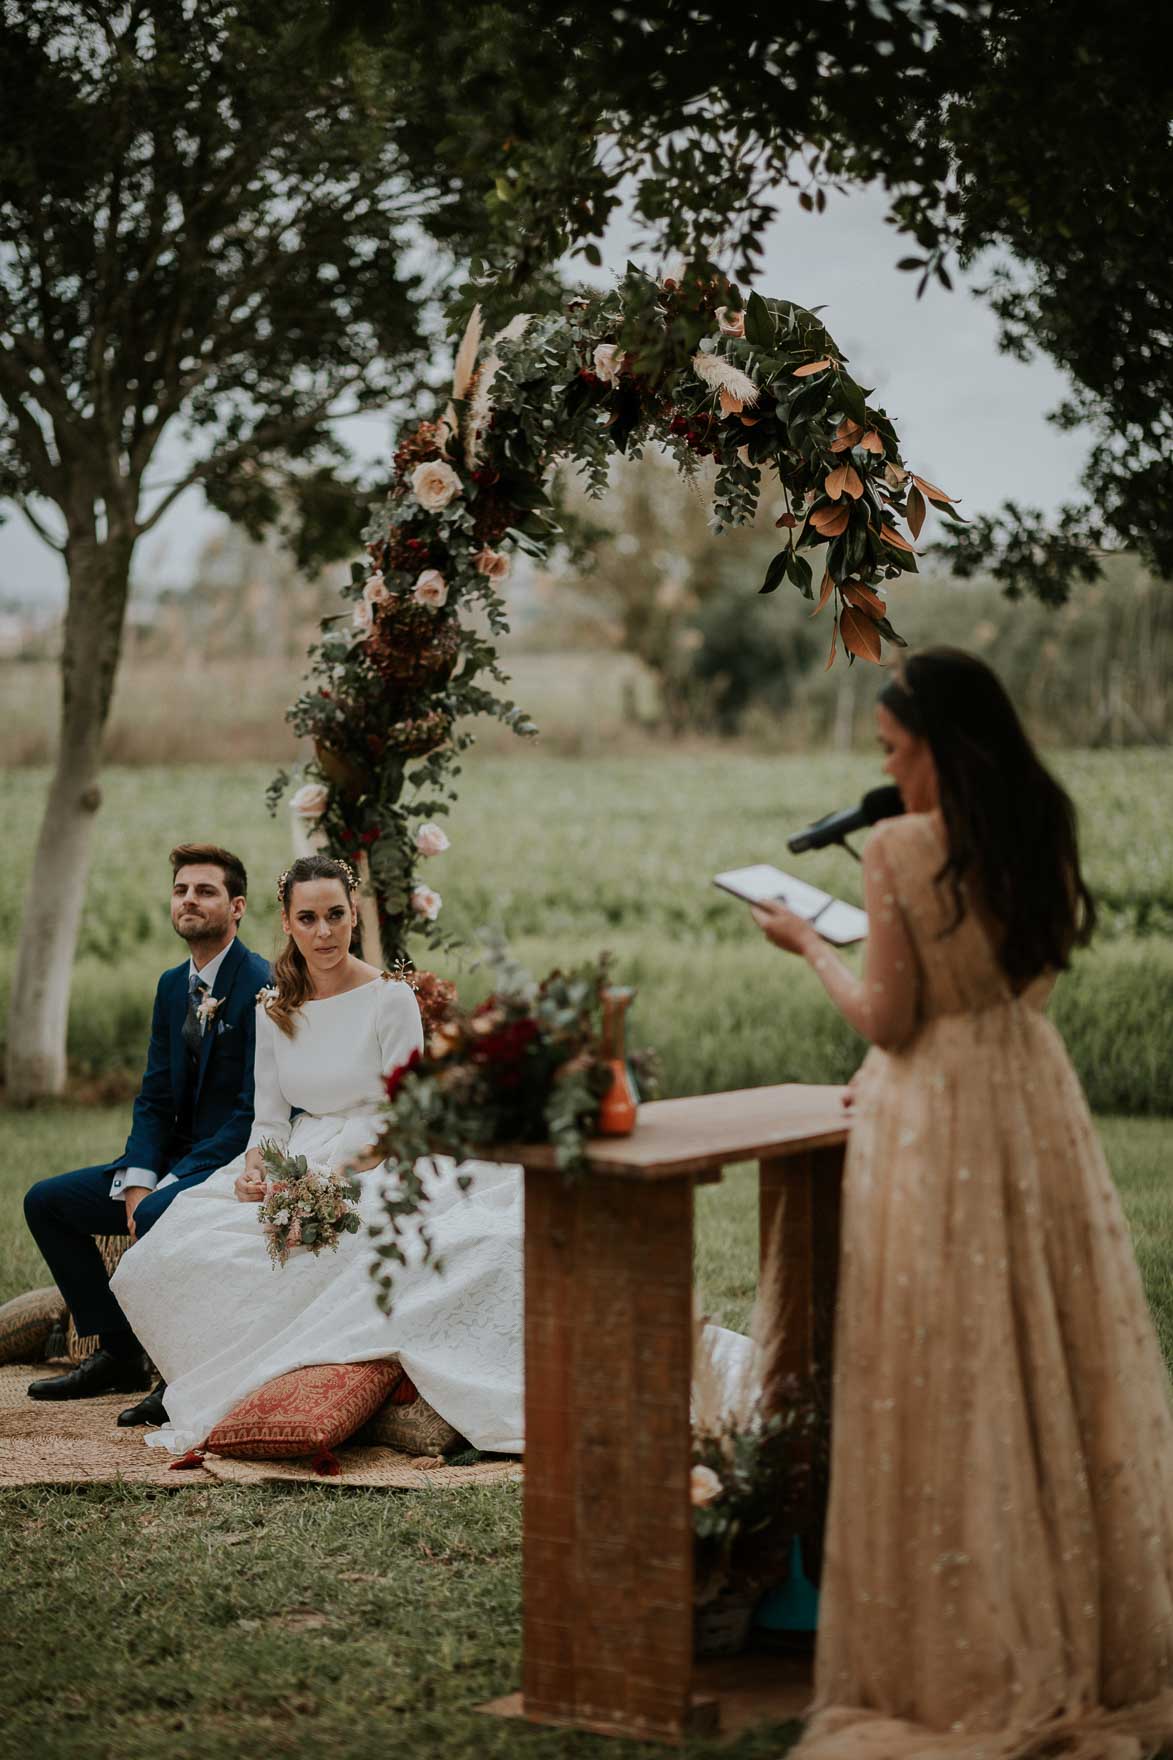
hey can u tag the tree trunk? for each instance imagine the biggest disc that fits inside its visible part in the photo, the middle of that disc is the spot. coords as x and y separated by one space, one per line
99 576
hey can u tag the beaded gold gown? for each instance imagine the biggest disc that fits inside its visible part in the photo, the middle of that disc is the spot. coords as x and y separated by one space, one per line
998 1579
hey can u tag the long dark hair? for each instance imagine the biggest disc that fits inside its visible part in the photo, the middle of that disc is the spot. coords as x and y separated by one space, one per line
1010 827
292 984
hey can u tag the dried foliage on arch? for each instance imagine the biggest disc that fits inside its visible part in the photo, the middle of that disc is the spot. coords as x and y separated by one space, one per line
760 389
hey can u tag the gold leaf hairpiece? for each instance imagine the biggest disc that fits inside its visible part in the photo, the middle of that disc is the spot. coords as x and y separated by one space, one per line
339 862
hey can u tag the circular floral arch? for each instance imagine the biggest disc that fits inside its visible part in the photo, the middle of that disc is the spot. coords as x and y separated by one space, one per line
757 388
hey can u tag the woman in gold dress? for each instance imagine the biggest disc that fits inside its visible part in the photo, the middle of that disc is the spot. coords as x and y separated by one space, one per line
998 1579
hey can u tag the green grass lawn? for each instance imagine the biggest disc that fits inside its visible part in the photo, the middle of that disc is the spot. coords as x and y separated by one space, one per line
569 857
309 1621
305 1621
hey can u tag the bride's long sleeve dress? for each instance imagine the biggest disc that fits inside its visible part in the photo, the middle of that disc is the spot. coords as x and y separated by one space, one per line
219 1319
998 1581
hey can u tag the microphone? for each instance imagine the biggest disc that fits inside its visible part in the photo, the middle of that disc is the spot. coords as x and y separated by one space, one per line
877 803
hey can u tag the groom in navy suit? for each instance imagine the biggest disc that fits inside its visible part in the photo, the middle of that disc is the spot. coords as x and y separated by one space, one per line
192 1115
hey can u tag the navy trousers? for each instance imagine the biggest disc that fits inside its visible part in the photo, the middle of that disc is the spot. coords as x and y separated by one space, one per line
64 1214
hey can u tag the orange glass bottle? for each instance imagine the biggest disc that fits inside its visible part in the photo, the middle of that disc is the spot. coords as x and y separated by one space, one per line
617 1109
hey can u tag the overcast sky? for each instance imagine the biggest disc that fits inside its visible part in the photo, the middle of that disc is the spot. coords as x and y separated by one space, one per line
970 419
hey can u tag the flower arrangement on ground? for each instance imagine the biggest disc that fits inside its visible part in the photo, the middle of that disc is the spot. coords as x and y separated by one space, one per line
749 1487
759 1443
759 387
525 1065
304 1205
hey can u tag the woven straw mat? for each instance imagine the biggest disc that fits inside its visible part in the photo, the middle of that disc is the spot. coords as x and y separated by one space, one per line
77 1442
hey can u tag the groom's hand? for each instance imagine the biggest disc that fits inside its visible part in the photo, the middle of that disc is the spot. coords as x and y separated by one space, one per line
134 1196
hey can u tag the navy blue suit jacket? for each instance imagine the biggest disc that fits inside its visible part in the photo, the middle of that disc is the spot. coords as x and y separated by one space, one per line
222 1101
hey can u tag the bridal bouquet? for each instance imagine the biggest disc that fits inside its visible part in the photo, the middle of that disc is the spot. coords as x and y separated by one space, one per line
304 1206
526 1065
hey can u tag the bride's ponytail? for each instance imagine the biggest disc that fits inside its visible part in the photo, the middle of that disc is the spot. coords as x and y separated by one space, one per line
292 984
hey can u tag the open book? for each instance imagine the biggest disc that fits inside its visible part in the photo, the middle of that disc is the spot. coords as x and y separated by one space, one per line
833 919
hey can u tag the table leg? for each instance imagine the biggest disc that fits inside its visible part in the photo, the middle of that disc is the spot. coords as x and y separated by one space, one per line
800 1202
800 1197
608 1530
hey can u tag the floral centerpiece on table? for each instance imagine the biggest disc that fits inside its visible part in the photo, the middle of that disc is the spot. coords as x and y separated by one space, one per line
304 1205
525 1065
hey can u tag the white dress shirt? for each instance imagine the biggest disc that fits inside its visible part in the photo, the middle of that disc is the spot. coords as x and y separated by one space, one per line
146 1176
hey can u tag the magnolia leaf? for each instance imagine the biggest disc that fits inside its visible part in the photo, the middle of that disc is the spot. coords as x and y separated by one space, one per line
811 367
834 481
897 539
831 655
888 633
872 442
759 322
849 433
798 570
933 493
852 482
827 589
916 510
857 594
853 400
830 521
860 635
776 573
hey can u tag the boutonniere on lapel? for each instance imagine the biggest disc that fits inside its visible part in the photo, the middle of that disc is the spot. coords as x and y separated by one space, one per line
206 1012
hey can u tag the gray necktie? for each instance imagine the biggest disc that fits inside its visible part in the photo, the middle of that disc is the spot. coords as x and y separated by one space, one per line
196 991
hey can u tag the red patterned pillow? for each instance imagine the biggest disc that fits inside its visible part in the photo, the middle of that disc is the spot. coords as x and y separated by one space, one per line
306 1412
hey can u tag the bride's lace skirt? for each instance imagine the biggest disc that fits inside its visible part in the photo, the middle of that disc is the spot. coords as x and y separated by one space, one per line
219 1319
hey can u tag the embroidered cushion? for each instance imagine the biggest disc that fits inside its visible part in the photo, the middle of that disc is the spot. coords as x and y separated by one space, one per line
78 1345
306 1412
411 1425
26 1322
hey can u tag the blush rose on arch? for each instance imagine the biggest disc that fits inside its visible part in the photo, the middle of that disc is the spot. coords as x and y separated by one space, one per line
758 386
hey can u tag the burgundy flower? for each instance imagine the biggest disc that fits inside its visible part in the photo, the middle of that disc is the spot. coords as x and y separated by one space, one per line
507 1045
395 1080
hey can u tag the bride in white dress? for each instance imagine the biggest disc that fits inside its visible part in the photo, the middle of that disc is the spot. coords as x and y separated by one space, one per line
219 1319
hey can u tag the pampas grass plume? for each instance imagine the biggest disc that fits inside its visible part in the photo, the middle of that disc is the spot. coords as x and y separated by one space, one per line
466 356
720 374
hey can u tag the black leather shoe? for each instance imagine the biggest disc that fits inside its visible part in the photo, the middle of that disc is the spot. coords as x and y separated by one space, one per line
99 1373
148 1411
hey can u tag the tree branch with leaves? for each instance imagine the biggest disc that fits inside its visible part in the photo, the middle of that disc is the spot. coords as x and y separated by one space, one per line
204 236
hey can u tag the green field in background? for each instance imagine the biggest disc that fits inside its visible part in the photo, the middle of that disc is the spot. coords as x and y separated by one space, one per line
569 856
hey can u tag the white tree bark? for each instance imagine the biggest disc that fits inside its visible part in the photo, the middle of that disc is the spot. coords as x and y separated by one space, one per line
99 573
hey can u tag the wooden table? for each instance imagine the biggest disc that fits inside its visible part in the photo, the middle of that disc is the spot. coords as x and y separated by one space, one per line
608 1555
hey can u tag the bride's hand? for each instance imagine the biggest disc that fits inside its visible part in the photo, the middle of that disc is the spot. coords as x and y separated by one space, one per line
249 1186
